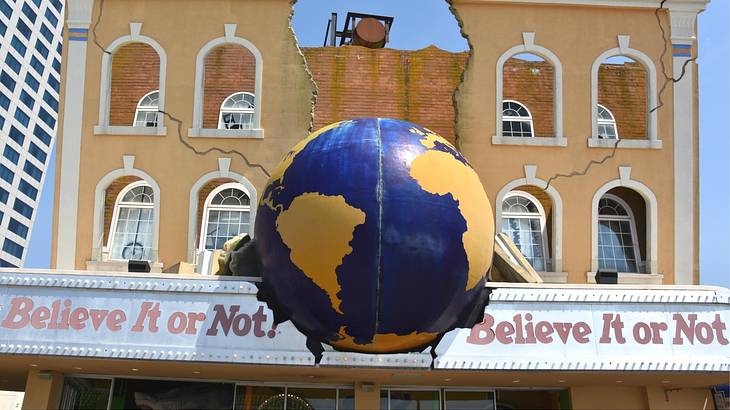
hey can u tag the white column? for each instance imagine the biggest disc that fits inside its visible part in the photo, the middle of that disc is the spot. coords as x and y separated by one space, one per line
683 40
78 21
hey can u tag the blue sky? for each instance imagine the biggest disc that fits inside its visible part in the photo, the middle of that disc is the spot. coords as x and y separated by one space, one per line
310 21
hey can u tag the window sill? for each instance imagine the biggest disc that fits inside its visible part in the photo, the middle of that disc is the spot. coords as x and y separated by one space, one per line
554 277
129 130
254 133
534 141
637 144
118 266
632 278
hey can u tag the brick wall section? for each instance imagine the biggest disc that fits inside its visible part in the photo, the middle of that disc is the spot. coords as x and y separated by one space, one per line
416 86
202 196
229 69
623 90
531 83
110 198
135 72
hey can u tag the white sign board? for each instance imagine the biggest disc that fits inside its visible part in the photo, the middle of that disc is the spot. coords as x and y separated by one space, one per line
583 332
205 319
528 327
215 326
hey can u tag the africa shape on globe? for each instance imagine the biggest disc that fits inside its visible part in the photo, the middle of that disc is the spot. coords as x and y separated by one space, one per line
374 235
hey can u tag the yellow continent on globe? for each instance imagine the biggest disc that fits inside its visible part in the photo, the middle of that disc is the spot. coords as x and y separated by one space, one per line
318 230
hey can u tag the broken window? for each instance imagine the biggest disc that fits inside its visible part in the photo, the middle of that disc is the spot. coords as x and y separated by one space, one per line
135 79
528 83
147 110
622 98
229 88
606 124
516 120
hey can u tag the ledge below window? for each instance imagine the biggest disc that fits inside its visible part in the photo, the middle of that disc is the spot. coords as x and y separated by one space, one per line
534 141
624 143
554 277
254 133
632 278
118 266
129 130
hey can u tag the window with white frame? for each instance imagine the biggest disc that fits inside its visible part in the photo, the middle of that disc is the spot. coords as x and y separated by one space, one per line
523 220
227 214
237 112
618 246
131 227
147 110
516 120
606 124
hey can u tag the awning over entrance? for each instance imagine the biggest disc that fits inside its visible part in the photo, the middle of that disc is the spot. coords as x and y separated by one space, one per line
219 320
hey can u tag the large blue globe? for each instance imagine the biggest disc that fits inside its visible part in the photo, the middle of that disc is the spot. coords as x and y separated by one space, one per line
374 235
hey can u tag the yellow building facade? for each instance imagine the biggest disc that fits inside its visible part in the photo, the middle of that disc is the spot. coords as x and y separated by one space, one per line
200 138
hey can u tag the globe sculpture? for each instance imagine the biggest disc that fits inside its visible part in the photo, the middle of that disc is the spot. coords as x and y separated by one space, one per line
374 235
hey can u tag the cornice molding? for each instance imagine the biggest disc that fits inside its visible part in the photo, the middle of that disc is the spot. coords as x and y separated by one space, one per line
683 5
79 13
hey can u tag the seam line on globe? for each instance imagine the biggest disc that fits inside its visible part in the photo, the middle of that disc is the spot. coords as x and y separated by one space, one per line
379 198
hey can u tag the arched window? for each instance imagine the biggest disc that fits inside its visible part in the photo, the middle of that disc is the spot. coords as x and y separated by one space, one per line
147 110
237 112
523 219
516 120
131 228
606 124
227 214
618 246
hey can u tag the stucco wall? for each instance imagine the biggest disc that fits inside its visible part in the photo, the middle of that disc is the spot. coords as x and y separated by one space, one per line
286 100
492 29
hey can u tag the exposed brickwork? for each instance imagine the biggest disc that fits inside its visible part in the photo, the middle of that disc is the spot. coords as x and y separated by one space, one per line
110 198
202 196
531 83
416 86
229 69
135 72
623 90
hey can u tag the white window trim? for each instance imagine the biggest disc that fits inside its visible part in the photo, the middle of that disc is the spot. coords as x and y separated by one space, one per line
103 127
222 172
520 119
97 243
197 129
540 215
652 219
651 141
115 214
632 224
557 213
529 46
208 207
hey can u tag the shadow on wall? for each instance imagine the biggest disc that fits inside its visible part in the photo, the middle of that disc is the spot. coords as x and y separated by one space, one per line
413 78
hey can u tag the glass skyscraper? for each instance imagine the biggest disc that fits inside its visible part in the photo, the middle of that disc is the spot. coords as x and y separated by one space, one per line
30 76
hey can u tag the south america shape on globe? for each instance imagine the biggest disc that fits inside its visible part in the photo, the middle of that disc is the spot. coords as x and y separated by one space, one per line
374 235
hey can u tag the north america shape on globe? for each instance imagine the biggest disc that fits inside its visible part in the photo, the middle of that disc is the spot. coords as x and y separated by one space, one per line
374 235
